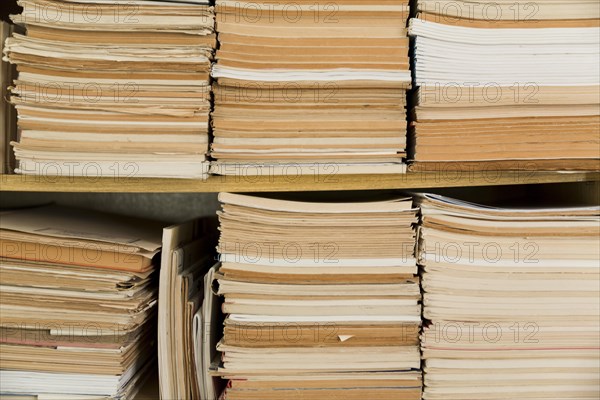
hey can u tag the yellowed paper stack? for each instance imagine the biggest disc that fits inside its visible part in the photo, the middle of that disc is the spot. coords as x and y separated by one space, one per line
116 89
321 299
304 87
506 85
511 299
78 309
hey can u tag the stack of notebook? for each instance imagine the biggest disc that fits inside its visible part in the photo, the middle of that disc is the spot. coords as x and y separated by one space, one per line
303 87
78 309
111 89
511 296
506 86
321 299
187 311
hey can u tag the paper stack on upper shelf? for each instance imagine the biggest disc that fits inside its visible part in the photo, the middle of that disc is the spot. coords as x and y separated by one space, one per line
511 296
321 299
506 85
8 115
303 87
78 303
113 89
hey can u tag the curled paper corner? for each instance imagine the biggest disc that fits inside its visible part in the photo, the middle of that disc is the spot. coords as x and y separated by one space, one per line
343 338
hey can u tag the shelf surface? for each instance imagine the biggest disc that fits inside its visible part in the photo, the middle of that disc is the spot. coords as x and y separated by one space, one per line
411 180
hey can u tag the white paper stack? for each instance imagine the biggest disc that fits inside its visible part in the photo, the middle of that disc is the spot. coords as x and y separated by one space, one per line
506 85
321 299
115 89
304 87
511 299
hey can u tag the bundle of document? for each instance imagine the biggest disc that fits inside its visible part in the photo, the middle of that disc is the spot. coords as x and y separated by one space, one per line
304 87
78 309
511 296
116 89
506 85
188 312
321 299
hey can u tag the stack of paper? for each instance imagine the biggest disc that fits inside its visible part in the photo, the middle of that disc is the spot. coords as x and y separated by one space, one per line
206 333
507 85
186 311
113 89
321 299
300 84
8 116
512 300
78 303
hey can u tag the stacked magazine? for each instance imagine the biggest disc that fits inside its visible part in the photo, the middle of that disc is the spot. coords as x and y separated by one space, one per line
321 298
78 310
304 86
117 89
506 85
511 299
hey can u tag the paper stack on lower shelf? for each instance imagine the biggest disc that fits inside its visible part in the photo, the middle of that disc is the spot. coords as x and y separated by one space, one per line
78 303
511 296
321 299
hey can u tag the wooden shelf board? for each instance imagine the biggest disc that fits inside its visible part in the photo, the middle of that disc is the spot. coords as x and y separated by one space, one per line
412 180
